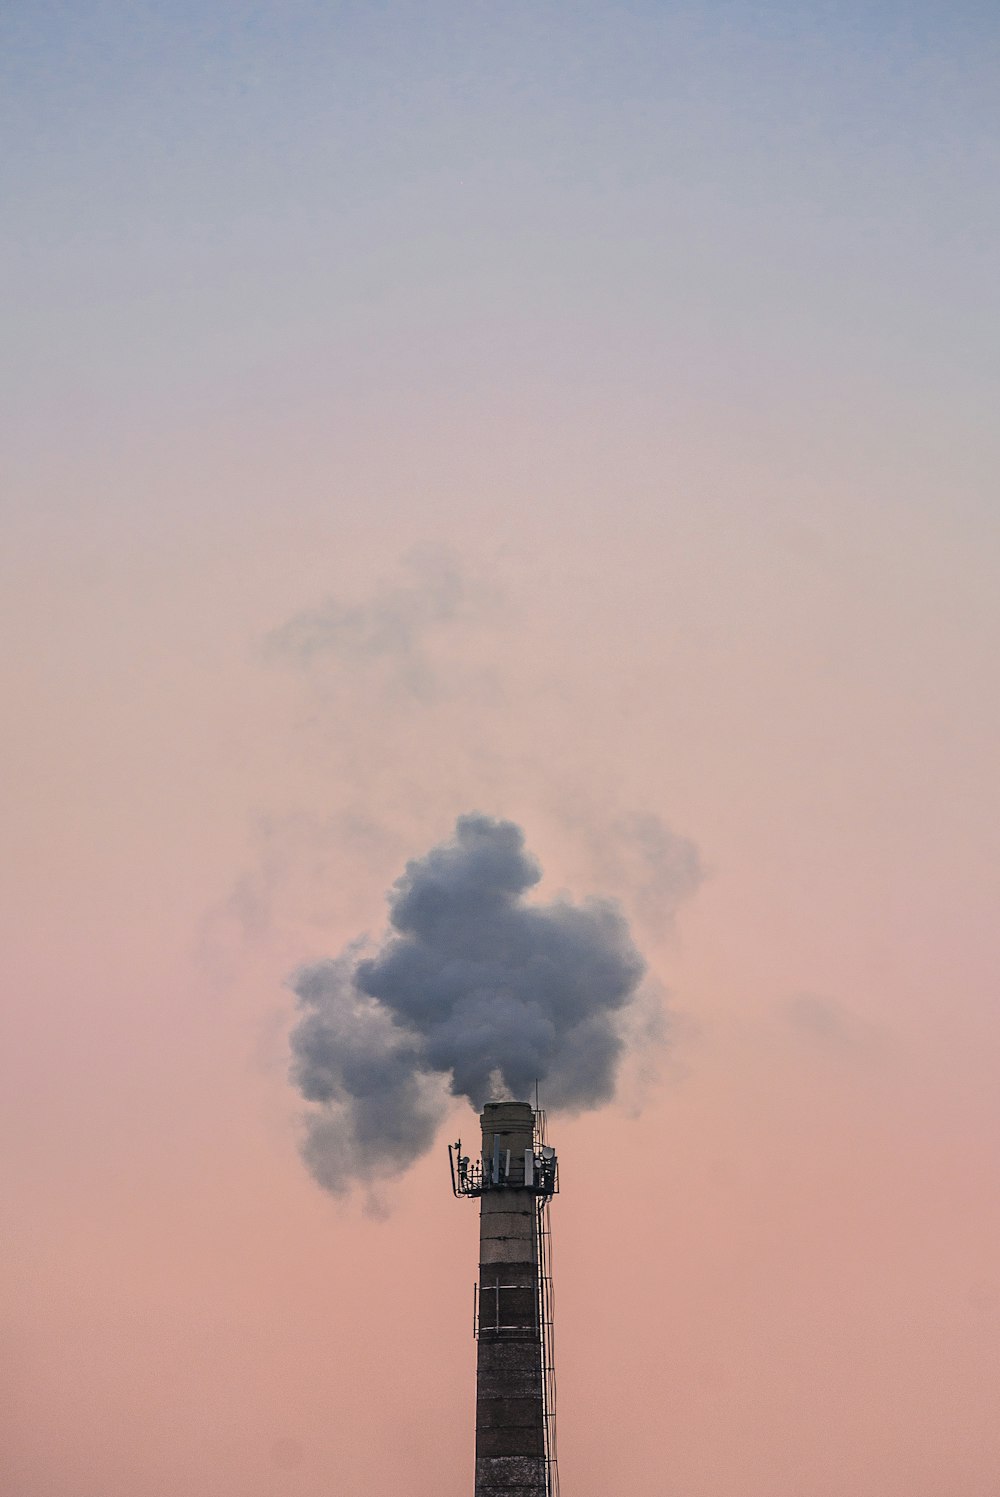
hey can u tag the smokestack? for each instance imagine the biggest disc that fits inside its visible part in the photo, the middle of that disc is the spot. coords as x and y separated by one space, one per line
515 1178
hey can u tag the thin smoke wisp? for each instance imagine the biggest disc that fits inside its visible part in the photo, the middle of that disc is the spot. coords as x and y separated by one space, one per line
475 992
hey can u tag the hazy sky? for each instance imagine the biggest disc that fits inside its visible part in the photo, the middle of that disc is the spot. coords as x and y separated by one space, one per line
583 414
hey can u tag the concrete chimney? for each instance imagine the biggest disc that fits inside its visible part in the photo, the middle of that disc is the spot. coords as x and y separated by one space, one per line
515 1178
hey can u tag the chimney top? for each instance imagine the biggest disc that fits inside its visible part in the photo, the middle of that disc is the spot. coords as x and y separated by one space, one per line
508 1114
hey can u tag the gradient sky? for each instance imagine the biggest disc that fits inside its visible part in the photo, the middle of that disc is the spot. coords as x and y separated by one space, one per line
631 371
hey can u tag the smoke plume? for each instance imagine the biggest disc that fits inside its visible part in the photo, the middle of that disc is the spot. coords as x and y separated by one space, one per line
397 634
474 992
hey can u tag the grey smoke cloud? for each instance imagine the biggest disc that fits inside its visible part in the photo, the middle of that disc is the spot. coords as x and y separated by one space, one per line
394 631
378 1108
475 991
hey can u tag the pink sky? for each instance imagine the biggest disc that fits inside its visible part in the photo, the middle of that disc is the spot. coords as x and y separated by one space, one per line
667 382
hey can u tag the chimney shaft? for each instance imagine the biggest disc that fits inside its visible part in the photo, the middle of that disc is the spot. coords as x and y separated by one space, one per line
510 1388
